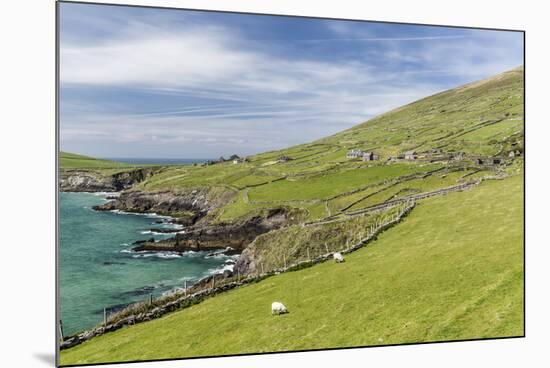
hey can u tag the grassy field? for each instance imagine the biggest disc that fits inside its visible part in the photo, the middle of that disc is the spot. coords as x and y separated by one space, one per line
440 275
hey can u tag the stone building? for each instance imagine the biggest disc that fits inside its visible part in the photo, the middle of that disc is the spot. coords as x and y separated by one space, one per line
355 153
410 155
370 156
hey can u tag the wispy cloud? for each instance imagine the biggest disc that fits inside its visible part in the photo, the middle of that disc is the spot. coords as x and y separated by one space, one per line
187 86
382 39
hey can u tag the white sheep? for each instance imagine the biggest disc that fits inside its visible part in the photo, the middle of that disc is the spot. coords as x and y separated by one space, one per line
338 257
278 308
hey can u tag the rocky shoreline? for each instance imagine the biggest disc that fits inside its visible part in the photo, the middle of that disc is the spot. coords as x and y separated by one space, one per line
186 208
189 209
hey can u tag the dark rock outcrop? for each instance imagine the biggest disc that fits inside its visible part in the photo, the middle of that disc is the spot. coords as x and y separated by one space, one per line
190 205
220 236
246 264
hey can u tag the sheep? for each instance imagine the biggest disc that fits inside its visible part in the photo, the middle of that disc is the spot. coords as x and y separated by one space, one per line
338 257
278 308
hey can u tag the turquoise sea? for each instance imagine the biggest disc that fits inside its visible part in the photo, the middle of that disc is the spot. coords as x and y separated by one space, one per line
98 269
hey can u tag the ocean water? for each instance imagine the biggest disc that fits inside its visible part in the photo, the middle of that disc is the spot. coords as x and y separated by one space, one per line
98 269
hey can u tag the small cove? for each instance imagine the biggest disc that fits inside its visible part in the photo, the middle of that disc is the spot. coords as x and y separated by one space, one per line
98 269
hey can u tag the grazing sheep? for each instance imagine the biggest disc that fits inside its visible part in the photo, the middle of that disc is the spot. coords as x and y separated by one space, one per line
278 308
338 257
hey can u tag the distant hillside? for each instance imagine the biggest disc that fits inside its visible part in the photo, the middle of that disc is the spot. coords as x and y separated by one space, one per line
73 161
480 118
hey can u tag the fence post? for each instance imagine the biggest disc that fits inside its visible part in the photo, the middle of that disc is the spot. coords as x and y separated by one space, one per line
61 330
213 281
326 247
238 275
308 257
104 317
185 287
284 260
150 299
262 267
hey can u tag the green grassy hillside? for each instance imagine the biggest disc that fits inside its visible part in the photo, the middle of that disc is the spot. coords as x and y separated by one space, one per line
482 119
442 274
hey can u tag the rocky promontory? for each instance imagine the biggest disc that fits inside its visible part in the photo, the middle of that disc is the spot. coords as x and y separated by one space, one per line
186 207
74 180
219 236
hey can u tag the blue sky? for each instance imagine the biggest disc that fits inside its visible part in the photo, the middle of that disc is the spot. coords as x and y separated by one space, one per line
160 83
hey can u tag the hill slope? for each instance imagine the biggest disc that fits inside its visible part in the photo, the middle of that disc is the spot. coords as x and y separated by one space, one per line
459 136
480 120
440 275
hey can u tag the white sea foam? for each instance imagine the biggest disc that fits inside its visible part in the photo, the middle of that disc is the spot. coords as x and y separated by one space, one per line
157 216
169 225
105 194
153 232
163 255
169 255
149 215
221 269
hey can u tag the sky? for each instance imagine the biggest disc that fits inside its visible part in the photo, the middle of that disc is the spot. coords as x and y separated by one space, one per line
164 83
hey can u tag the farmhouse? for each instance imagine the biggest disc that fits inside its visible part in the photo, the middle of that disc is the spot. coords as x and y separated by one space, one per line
355 153
238 160
410 155
370 156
